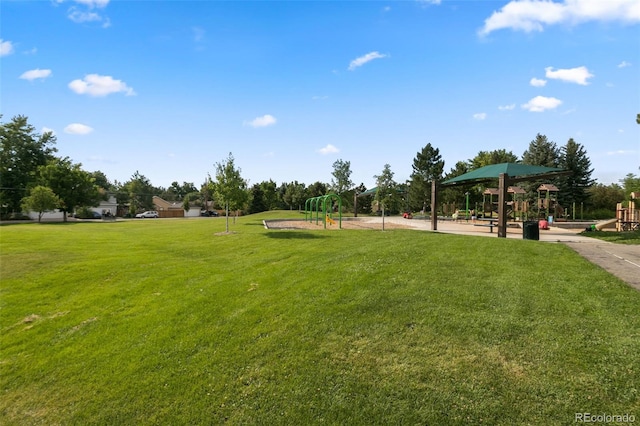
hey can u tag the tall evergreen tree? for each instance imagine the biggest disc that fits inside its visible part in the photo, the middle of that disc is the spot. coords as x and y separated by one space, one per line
427 166
257 204
574 187
541 152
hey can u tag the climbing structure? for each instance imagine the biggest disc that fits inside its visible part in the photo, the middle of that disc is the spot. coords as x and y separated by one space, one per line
324 203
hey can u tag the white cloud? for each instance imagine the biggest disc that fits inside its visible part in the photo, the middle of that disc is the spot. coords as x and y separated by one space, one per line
80 16
534 15
358 62
541 103
577 75
264 121
100 85
480 116
537 82
78 129
507 107
35 74
6 47
329 149
620 152
429 1
94 3
198 34
47 130
624 64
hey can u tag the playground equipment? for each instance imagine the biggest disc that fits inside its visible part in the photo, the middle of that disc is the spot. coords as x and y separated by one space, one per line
324 202
516 207
548 201
627 218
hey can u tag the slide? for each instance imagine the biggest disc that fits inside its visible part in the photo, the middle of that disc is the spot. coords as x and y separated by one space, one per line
604 224
330 221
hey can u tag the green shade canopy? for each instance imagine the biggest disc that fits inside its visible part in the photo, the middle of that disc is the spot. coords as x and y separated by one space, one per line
513 170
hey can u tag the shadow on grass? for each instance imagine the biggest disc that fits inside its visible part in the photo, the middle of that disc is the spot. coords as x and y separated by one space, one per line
289 235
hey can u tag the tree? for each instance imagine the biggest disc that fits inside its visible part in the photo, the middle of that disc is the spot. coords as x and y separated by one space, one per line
41 199
630 183
387 189
453 194
541 152
605 197
138 192
269 194
427 166
573 188
294 194
22 151
256 203
74 186
230 188
487 158
317 189
341 180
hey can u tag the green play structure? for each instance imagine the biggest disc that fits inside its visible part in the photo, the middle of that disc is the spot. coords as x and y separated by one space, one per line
324 202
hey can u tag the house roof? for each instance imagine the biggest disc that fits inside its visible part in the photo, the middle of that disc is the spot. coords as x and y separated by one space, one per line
493 171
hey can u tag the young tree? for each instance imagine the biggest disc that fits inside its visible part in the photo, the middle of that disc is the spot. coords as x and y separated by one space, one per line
573 188
427 166
230 188
341 180
387 189
74 186
22 151
41 199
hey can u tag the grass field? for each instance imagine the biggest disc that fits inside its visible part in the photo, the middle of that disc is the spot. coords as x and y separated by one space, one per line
173 322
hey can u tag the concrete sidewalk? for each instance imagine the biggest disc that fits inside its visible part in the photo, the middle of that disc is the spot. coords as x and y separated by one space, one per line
554 234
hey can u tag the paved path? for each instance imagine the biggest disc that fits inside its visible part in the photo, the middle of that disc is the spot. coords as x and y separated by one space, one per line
621 260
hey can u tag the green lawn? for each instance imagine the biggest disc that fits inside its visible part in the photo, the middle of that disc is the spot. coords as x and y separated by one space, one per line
172 322
628 237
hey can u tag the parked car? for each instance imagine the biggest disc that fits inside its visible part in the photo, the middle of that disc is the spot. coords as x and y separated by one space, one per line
209 213
150 213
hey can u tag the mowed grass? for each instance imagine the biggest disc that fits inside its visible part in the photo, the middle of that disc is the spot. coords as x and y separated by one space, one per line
171 322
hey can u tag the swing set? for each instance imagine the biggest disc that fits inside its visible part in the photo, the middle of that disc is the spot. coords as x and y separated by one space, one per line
324 203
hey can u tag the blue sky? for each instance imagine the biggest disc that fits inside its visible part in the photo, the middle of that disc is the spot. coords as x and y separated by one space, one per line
169 88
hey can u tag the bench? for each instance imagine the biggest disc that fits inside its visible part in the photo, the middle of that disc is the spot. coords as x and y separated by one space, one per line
489 225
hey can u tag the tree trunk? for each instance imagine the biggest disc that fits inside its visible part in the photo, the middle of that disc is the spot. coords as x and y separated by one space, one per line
383 216
226 207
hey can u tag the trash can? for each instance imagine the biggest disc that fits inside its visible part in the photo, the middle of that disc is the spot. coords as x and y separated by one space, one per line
530 230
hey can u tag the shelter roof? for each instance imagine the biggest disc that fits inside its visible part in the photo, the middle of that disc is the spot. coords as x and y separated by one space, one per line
493 171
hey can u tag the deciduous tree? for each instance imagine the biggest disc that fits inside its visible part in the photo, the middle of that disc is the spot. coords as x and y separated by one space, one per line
387 189
341 180
22 151
41 199
230 187
74 186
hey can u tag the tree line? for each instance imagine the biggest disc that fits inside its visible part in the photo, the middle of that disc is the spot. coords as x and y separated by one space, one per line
33 178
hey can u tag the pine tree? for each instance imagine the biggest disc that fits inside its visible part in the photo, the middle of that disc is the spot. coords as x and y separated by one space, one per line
574 187
427 166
